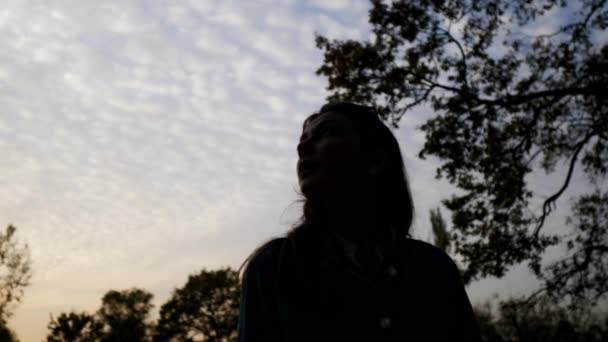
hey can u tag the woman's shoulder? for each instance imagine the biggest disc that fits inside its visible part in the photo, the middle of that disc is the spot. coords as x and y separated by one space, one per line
422 252
269 250
265 257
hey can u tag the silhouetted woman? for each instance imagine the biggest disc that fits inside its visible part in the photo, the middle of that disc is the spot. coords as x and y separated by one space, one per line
348 271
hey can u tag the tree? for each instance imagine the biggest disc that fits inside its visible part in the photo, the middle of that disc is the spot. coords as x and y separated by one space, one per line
543 321
441 236
205 309
583 274
508 102
124 315
487 322
74 327
7 335
15 272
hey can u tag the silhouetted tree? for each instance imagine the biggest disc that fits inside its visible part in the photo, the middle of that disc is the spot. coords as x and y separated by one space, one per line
508 101
74 327
441 237
583 274
124 315
205 309
488 323
15 272
7 335
543 321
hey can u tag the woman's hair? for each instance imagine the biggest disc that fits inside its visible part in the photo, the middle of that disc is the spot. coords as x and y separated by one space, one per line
395 205
394 201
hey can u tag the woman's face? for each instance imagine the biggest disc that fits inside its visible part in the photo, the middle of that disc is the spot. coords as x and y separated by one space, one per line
329 153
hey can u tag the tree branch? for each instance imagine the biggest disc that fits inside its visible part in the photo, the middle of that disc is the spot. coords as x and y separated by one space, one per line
600 248
594 9
518 99
419 100
551 200
443 86
462 54
568 27
535 294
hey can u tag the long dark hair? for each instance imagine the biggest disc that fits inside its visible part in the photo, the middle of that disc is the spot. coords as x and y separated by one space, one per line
298 250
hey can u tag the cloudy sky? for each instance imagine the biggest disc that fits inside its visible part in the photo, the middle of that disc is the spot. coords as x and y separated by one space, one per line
144 140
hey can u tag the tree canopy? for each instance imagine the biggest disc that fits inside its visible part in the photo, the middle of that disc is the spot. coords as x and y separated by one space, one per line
441 236
7 335
543 321
508 98
74 327
15 272
206 308
125 314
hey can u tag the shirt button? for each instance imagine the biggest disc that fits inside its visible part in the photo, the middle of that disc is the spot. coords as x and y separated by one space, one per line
392 271
385 323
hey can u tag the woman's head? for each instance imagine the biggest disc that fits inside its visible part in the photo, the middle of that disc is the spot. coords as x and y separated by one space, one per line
330 162
344 151
344 147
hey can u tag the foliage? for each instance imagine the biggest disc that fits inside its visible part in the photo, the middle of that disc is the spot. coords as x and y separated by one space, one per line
543 321
15 272
508 100
583 273
7 335
74 327
124 315
206 308
440 232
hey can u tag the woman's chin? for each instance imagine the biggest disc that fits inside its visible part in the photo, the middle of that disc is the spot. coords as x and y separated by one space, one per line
309 187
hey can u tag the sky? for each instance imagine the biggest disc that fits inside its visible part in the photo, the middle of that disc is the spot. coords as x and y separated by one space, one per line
142 141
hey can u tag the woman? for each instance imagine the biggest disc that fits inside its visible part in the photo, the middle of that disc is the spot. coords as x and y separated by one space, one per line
349 271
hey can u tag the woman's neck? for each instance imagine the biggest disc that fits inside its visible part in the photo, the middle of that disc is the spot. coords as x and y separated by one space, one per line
352 217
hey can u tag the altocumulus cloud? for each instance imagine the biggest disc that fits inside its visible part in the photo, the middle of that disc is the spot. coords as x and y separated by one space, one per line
144 140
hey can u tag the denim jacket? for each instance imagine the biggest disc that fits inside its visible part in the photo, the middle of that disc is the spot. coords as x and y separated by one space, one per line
418 296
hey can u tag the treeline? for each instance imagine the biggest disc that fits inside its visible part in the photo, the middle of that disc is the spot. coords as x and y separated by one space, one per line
544 320
206 308
531 318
